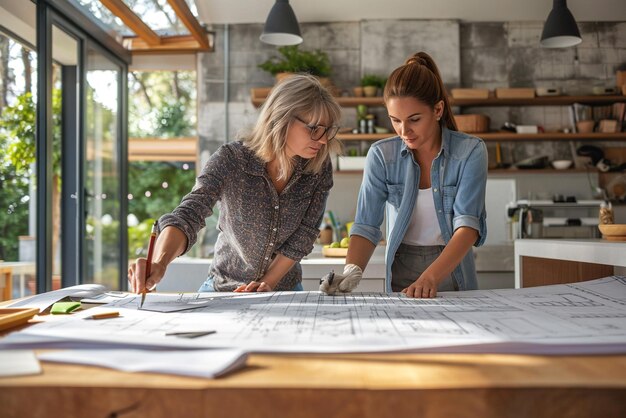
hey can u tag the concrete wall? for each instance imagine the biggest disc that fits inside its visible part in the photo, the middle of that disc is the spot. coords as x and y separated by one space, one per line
468 54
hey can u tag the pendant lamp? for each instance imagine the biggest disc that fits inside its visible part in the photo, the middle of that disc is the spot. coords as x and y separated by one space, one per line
560 30
281 26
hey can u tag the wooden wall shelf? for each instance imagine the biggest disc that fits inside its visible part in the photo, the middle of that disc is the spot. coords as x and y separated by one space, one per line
508 171
540 101
508 136
491 101
551 136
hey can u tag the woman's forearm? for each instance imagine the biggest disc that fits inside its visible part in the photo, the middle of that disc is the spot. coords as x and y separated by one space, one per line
360 251
277 270
171 243
460 243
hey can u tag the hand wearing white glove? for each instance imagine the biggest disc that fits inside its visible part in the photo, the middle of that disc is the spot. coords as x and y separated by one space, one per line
342 283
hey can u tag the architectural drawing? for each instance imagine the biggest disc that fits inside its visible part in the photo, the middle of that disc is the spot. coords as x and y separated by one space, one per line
583 317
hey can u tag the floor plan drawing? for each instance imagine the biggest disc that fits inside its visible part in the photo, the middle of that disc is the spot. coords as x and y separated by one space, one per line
583 317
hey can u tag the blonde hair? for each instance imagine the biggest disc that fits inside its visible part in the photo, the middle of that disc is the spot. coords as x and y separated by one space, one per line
419 78
299 95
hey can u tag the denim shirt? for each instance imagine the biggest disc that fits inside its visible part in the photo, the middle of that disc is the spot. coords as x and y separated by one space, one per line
255 221
391 182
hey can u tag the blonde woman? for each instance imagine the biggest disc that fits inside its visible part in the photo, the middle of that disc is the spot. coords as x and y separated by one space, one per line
272 187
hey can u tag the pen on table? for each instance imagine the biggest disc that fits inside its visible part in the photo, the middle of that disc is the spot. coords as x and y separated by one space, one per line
149 260
190 334
104 315
331 276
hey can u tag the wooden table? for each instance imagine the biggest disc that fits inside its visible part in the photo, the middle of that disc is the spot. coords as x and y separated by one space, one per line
382 385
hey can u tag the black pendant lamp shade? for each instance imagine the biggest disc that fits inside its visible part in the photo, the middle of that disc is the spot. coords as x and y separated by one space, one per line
560 30
281 26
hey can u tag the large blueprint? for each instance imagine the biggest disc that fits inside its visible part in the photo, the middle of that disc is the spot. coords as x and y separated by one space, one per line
588 317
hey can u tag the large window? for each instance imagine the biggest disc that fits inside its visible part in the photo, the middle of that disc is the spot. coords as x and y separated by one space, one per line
18 93
162 148
162 104
63 137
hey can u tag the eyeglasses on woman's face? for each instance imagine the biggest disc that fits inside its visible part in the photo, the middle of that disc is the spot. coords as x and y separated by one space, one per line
318 131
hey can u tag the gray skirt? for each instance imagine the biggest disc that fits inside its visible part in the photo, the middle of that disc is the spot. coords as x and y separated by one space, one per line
409 263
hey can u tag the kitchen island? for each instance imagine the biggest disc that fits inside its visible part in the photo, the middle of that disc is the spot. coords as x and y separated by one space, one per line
541 262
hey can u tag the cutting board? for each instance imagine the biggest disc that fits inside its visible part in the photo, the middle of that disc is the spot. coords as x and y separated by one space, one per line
335 252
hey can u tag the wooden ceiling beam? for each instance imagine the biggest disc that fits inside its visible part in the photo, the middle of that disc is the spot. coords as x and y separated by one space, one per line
189 20
170 44
121 10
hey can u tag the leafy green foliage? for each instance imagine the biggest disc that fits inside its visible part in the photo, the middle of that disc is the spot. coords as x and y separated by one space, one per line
17 137
294 60
18 123
161 103
373 80
138 239
151 177
13 209
172 120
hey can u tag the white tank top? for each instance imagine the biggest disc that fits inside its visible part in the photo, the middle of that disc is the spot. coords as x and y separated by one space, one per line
423 227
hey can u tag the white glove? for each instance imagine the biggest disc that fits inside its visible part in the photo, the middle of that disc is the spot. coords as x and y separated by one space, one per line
341 283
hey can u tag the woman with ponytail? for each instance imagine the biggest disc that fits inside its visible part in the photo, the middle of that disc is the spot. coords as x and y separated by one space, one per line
431 180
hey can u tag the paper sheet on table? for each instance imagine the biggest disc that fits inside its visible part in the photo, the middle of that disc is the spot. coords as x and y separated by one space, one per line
175 302
198 363
18 363
577 318
44 300
107 297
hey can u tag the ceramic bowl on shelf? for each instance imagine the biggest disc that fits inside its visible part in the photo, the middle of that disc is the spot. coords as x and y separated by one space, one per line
613 232
562 164
585 126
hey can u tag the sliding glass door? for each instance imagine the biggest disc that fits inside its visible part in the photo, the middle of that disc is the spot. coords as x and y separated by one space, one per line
103 170
81 152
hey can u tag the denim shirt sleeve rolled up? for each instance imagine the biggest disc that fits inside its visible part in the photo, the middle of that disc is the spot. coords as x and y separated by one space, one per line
390 186
255 221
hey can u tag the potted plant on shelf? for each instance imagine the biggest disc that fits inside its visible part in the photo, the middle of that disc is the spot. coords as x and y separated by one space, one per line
371 83
294 60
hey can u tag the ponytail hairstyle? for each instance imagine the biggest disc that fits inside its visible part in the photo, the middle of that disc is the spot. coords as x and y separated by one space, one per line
419 78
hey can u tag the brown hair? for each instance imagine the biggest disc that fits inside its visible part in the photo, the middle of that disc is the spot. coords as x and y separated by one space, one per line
299 95
419 78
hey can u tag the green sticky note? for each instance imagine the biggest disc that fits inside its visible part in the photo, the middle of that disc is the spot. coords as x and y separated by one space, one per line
64 307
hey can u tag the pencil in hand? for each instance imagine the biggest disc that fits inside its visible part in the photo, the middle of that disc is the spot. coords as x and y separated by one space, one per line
153 234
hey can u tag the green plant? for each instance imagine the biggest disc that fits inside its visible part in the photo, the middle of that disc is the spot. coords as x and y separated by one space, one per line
373 80
294 60
18 122
17 142
172 120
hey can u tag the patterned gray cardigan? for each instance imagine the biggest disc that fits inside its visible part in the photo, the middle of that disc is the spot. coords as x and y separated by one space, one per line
255 222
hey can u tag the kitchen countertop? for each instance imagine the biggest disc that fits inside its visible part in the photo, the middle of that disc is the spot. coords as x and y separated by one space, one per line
186 274
597 251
